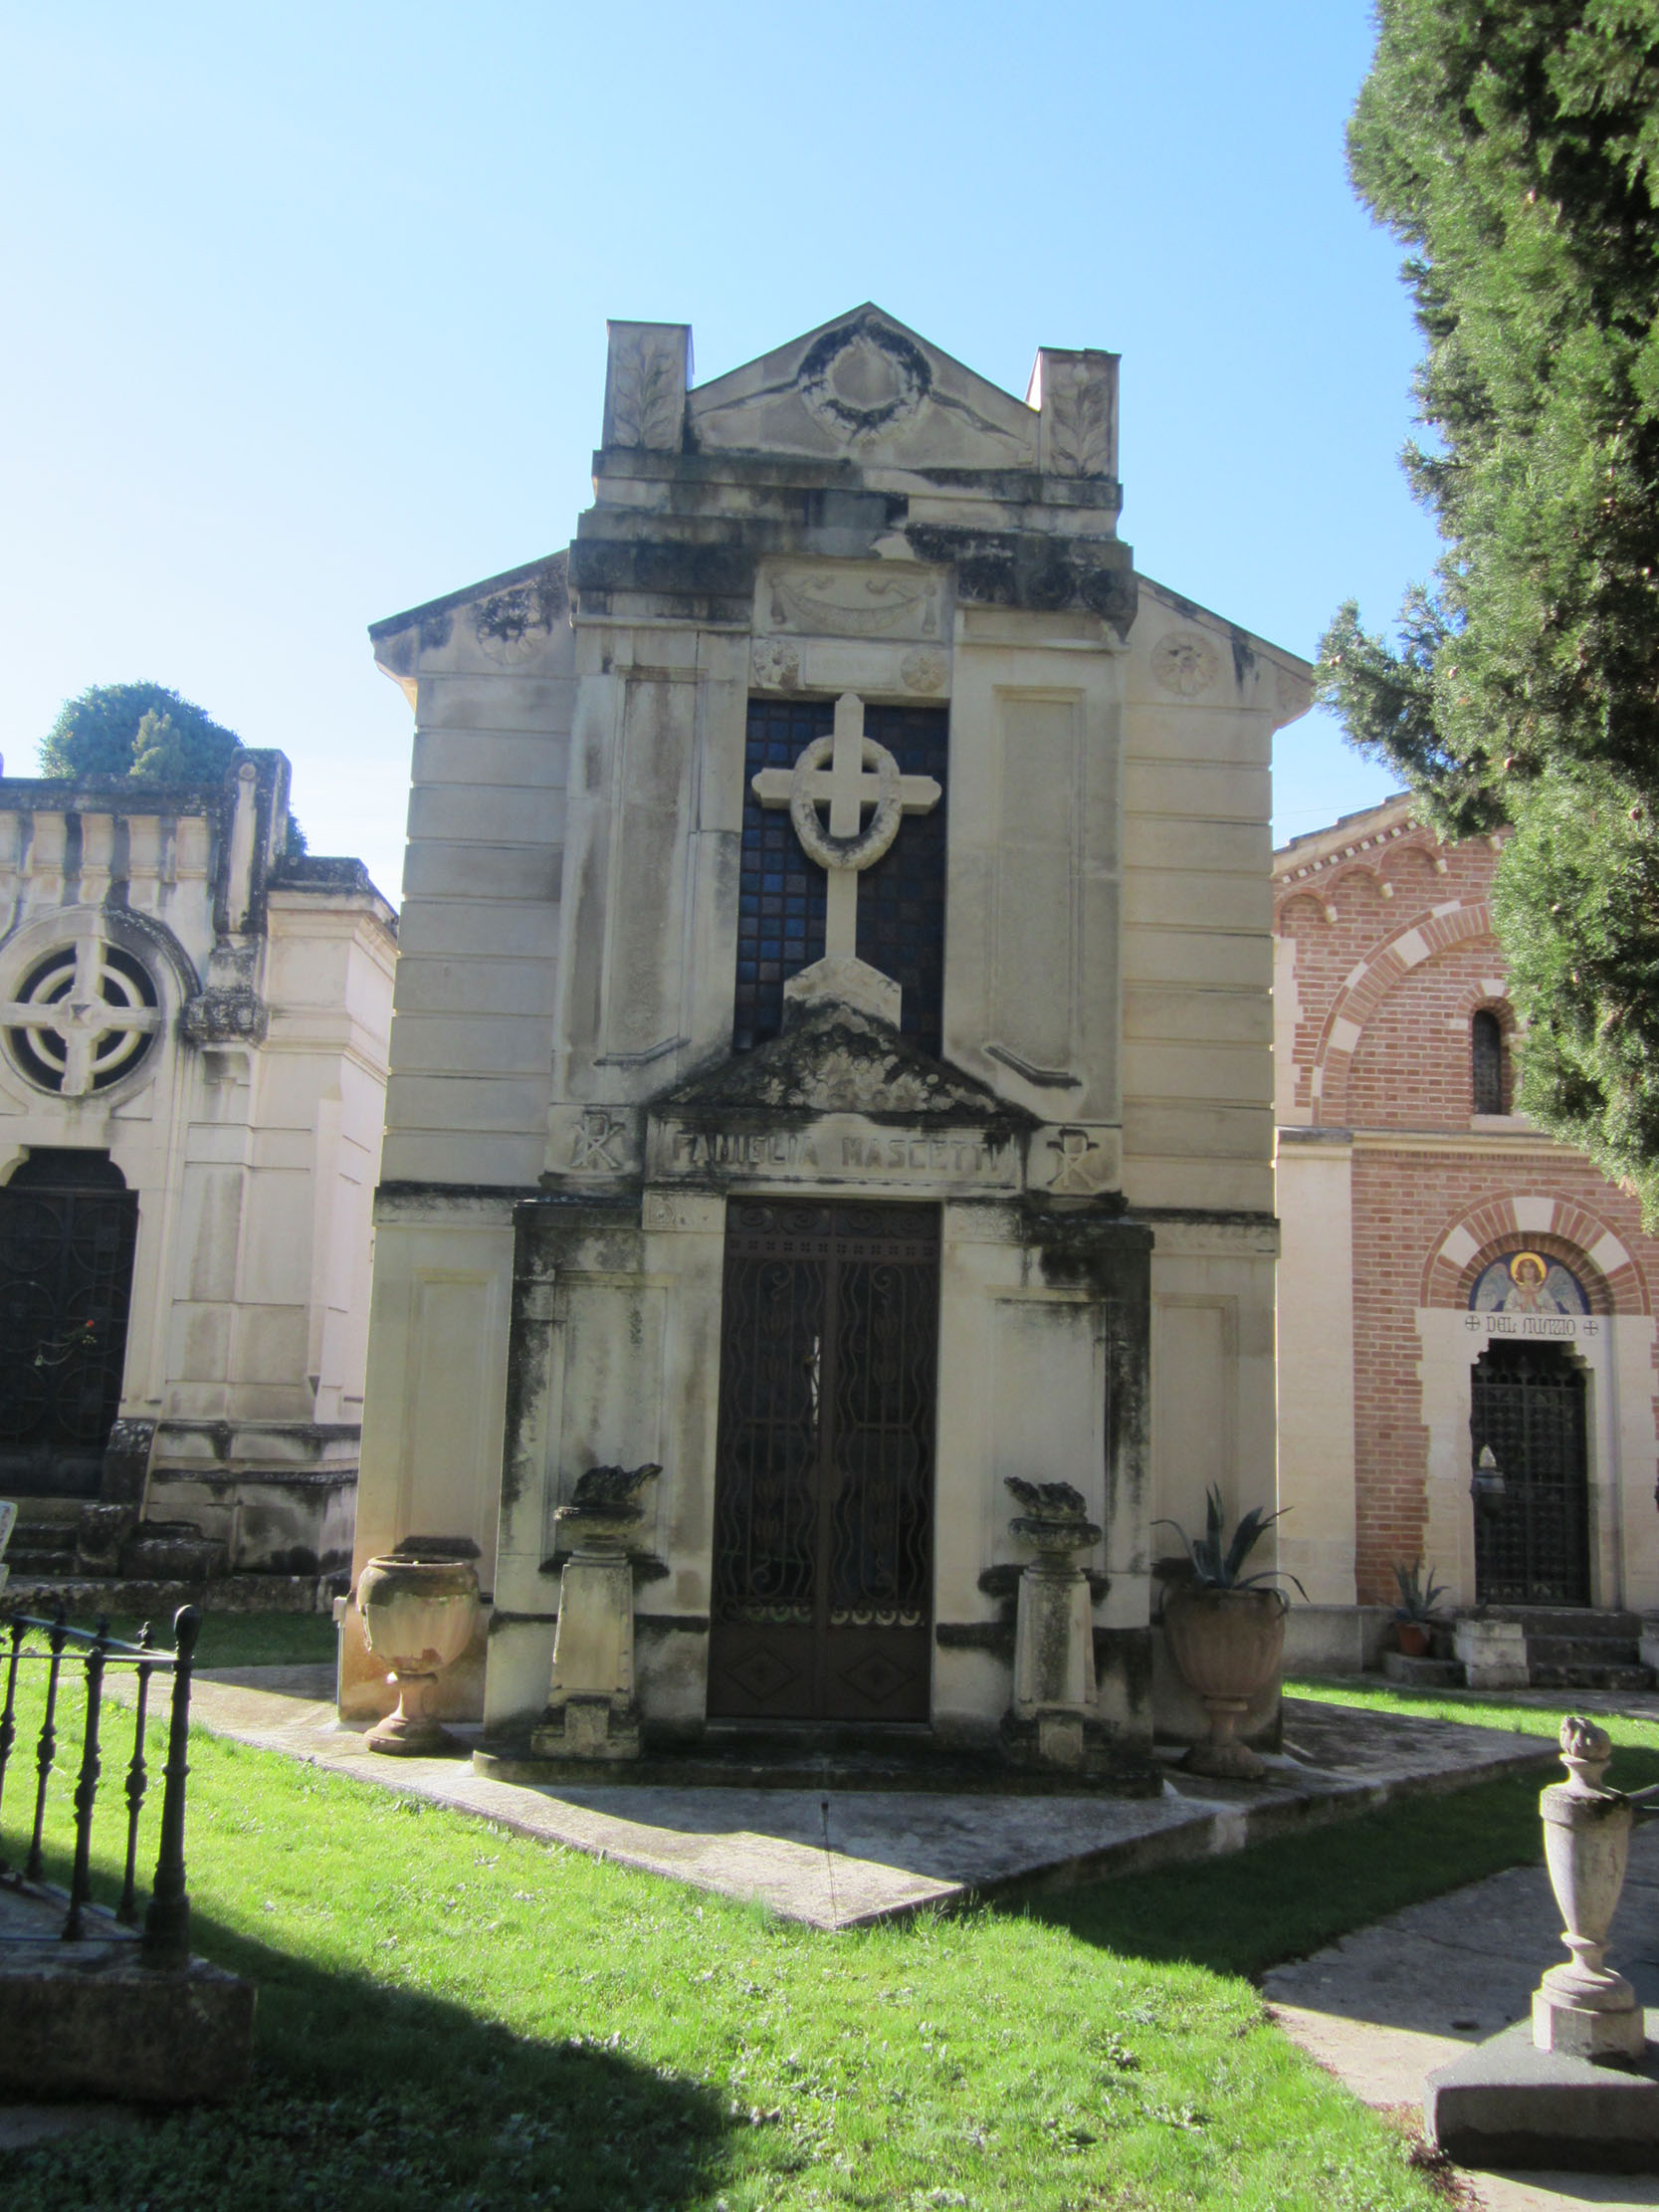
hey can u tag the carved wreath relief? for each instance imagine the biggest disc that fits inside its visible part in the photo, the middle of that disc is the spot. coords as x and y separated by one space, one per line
1184 662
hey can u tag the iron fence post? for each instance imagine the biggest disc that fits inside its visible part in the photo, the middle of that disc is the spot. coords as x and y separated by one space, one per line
167 1923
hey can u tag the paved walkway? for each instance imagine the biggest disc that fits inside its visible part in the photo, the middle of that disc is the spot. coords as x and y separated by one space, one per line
851 1858
1393 2001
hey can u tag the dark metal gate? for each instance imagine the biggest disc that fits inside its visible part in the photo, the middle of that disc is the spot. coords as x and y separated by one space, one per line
1532 1547
824 1483
67 1226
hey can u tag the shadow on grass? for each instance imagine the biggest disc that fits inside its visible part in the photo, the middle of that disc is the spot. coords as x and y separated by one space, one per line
377 2096
1280 1900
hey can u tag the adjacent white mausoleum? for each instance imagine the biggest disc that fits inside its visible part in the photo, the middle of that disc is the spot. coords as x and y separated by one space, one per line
193 1021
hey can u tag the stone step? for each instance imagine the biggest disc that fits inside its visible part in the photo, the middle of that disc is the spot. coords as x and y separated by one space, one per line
1584 1650
1590 1677
84 1598
1575 1621
34 1559
1424 1673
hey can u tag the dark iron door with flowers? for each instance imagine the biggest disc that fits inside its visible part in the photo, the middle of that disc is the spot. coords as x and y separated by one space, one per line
824 1485
1531 1544
67 1226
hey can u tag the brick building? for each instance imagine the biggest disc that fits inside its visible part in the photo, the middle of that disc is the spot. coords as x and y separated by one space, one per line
1466 1343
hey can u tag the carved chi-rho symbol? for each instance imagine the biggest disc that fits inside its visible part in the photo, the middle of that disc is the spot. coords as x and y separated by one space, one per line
859 773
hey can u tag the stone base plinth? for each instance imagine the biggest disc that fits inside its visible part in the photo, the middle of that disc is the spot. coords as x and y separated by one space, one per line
587 1728
1598 2033
1507 2103
90 2019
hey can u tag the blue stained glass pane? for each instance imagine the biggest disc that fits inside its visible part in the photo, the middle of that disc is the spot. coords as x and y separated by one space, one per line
900 927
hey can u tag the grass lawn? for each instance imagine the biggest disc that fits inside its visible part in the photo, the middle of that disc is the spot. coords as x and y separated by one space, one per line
459 2019
239 1638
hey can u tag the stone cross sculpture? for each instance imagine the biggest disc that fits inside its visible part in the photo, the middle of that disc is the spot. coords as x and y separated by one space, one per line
592 1710
849 772
1585 2008
1053 1720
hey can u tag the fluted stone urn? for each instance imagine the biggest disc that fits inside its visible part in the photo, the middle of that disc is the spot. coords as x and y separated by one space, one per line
1053 1720
418 1615
1583 2007
591 1708
1227 1645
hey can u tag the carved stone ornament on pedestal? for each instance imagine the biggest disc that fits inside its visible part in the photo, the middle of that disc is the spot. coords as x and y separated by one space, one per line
1583 2007
592 1710
1053 1720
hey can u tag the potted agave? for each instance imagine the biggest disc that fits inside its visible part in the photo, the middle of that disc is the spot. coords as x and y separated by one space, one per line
1226 1633
1419 1613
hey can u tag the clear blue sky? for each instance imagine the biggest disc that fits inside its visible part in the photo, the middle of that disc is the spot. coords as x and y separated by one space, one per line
307 310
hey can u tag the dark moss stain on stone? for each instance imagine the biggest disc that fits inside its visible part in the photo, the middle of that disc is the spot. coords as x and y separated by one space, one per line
1125 1655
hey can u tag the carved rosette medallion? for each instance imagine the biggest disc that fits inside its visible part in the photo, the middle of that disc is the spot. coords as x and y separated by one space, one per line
776 664
926 671
1295 695
1184 662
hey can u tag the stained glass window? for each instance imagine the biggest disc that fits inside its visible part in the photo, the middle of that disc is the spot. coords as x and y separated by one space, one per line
781 893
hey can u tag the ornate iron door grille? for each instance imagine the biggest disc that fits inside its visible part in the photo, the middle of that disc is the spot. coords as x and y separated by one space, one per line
824 1482
1528 1405
67 1236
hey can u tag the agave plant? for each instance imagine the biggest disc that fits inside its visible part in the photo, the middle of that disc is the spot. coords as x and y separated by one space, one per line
1417 1603
1216 1561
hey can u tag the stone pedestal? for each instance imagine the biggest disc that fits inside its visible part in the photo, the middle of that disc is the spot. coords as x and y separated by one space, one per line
592 1709
1053 1720
1583 2009
1493 1652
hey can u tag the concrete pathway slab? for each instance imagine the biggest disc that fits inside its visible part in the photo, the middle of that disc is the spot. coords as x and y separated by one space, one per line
850 1858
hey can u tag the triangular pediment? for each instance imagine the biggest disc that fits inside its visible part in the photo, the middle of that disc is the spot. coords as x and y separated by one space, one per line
837 1059
865 388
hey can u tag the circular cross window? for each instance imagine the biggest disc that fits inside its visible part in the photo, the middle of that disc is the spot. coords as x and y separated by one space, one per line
84 1016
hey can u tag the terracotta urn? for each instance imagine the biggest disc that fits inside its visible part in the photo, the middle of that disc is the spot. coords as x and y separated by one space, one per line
1413 1638
418 1617
1227 1646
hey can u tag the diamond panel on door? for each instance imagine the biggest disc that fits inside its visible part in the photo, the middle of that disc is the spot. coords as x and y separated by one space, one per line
824 1483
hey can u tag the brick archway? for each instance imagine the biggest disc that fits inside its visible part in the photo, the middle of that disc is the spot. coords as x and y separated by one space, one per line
1565 1228
1368 986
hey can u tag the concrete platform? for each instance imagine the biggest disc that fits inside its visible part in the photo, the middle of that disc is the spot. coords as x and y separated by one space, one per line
840 1857
91 2020
1505 2103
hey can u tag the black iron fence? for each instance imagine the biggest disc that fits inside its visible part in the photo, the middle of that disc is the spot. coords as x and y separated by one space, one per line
54 1645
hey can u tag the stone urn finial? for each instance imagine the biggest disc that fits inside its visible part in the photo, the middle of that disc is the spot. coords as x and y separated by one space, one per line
591 1712
604 1507
1583 2007
1053 1720
1054 1519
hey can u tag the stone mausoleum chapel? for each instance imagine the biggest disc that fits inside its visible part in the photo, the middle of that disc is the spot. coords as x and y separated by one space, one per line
832 1066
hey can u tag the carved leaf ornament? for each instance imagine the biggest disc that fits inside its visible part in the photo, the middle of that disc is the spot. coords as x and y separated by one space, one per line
645 397
1080 436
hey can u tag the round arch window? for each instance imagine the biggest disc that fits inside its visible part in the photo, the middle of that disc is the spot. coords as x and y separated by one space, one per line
83 1018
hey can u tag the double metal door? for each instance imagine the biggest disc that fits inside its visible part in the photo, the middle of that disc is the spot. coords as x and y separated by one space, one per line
824 1483
1532 1547
66 1237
